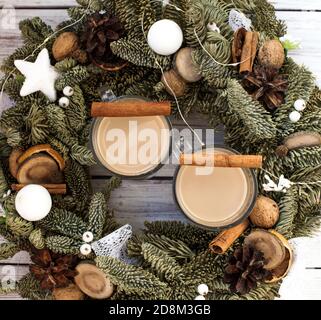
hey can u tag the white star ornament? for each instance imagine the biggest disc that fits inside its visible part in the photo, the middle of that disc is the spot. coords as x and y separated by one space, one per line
40 76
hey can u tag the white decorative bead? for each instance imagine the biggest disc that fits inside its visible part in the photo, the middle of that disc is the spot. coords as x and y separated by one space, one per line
85 249
202 289
200 298
295 116
300 105
88 236
64 102
213 27
68 91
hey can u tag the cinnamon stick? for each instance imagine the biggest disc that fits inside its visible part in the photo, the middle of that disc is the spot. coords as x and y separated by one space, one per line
249 51
130 109
226 238
52 188
221 160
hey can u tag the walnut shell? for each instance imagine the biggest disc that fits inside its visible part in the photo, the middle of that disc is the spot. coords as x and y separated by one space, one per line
271 54
72 292
174 82
67 45
283 269
266 213
185 66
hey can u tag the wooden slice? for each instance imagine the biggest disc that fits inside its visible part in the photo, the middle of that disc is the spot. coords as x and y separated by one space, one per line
93 282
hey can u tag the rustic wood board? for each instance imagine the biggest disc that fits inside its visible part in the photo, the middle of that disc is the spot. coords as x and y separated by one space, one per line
137 201
279 4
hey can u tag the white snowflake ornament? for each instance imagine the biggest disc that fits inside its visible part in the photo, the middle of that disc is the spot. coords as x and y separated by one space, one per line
114 244
40 76
282 186
239 20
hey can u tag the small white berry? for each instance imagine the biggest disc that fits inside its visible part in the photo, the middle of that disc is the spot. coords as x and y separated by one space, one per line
85 249
300 105
64 102
88 236
213 27
68 91
295 116
202 289
200 298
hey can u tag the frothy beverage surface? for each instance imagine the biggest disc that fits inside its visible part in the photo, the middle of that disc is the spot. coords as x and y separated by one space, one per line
132 146
212 199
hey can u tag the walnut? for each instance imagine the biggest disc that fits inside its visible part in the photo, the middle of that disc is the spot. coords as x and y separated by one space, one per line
67 45
265 213
271 54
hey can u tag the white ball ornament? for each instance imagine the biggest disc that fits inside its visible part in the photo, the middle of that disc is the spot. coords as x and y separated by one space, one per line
85 249
202 289
88 237
300 105
68 91
165 37
295 116
64 102
33 202
200 298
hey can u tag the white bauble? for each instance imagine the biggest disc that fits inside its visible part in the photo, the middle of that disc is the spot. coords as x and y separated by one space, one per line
202 289
300 105
200 298
33 202
165 37
295 116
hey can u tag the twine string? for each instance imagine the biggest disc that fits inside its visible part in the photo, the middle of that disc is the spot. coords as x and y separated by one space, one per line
163 74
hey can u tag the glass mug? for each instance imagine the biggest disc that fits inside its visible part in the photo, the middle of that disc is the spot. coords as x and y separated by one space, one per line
215 197
132 159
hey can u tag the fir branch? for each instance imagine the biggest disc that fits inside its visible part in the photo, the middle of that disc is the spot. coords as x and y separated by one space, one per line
288 210
37 239
264 20
194 237
18 226
173 248
65 223
138 52
35 31
132 279
83 155
29 288
76 112
77 179
63 245
8 250
165 267
97 215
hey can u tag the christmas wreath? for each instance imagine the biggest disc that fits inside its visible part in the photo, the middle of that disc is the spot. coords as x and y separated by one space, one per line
234 69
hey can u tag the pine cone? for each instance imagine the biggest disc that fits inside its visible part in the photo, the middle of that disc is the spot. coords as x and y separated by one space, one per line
51 269
100 31
267 86
245 268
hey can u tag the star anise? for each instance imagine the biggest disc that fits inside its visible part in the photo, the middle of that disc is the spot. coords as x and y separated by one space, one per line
51 269
100 31
245 268
267 86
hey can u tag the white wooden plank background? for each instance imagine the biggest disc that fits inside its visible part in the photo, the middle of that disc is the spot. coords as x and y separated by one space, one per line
137 201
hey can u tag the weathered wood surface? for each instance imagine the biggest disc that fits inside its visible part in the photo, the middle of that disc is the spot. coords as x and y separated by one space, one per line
279 4
137 201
